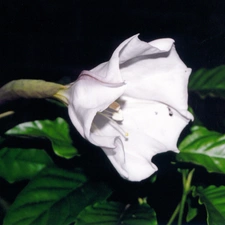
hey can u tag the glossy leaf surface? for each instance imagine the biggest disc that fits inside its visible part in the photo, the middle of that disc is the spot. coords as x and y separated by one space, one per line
56 197
208 82
213 199
205 148
112 213
18 164
56 131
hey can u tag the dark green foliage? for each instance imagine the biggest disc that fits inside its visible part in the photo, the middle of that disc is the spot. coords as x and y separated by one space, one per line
83 195
114 213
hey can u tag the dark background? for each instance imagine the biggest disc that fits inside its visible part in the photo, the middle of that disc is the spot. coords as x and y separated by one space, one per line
50 39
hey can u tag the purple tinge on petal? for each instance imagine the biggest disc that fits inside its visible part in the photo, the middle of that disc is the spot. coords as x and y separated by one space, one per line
86 74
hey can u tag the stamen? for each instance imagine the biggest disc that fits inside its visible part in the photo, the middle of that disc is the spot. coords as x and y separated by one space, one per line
114 124
117 116
115 106
94 128
115 112
110 113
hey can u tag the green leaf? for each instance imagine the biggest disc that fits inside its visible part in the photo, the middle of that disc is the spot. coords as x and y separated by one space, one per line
197 121
56 197
192 211
56 131
112 213
18 164
214 200
205 148
208 82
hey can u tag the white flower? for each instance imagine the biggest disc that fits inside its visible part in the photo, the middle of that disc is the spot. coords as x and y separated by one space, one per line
133 106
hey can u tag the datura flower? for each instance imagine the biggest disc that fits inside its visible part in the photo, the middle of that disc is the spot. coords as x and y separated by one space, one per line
133 106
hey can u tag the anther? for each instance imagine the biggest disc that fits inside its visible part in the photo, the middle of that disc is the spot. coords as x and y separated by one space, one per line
114 124
117 116
115 106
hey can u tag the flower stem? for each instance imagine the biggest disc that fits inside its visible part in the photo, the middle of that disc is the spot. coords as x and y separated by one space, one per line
186 179
8 113
175 213
182 204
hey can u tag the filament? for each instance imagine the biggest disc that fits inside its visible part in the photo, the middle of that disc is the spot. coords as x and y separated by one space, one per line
115 125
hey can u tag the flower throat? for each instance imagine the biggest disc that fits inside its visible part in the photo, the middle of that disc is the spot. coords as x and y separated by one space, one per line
114 115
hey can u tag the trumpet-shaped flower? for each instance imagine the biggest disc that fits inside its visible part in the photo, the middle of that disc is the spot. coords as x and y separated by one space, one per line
133 106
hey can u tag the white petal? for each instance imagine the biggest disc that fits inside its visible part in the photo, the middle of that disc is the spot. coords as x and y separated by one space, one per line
154 119
132 158
161 77
87 97
110 71
128 50
153 104
162 44
152 128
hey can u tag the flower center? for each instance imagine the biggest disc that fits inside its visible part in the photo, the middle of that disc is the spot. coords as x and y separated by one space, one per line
114 116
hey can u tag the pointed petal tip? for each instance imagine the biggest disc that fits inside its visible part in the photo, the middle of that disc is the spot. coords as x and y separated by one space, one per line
142 171
164 44
141 177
